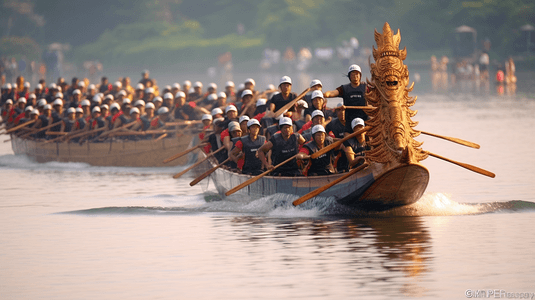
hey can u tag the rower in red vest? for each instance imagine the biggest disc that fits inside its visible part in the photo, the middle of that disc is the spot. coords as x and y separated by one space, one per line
322 165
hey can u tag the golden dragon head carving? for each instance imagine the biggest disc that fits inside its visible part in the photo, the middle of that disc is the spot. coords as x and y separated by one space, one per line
392 134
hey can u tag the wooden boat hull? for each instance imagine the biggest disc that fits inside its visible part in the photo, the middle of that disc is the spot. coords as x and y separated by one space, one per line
123 153
374 188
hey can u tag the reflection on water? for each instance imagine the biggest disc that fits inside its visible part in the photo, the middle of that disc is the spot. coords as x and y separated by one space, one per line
372 250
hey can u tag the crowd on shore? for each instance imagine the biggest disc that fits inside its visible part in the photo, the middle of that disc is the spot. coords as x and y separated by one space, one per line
246 128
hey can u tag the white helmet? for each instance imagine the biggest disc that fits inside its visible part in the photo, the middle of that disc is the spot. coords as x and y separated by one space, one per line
222 95
212 97
82 84
252 122
230 108
149 105
285 121
168 96
28 108
354 68
243 118
316 113
71 110
318 128
157 99
246 92
197 84
21 100
57 102
95 109
26 84
316 94
180 94
115 105
134 110
35 111
285 79
163 110
356 121
212 86
315 82
86 102
216 111
206 117
229 84
139 103
79 110
250 80
261 102
302 103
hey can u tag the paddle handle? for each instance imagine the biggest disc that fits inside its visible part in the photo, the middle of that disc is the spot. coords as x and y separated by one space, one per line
338 143
207 173
20 126
176 156
291 103
320 190
197 163
361 107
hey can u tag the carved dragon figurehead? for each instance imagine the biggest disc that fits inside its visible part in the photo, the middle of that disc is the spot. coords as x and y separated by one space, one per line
392 133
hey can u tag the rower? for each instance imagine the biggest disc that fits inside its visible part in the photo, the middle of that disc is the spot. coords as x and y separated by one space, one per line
139 92
229 91
69 121
322 165
24 117
115 112
249 146
355 147
336 129
196 96
234 135
318 103
217 113
44 120
159 121
76 96
215 140
57 114
21 104
317 119
315 85
149 115
186 85
158 101
221 101
243 124
260 110
285 95
80 120
140 105
283 145
352 95
299 115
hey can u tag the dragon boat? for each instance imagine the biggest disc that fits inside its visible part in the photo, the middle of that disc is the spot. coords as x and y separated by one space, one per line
393 175
121 152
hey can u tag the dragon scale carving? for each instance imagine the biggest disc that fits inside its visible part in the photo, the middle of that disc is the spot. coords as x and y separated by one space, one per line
392 134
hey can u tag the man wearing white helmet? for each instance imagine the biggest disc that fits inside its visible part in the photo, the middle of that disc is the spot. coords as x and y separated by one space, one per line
355 147
75 99
187 110
139 92
260 109
44 120
246 102
215 140
323 165
39 91
8 111
150 93
6 91
24 117
115 113
104 85
318 118
21 104
221 101
230 91
249 145
315 85
161 118
186 86
217 113
318 103
352 95
69 121
283 146
230 136
57 114
72 87
140 104
80 120
148 116
135 116
197 94
285 95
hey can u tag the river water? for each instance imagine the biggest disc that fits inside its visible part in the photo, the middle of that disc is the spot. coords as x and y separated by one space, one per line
73 231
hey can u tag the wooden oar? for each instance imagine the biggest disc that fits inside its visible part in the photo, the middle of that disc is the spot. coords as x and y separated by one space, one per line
207 173
290 104
361 107
320 190
176 156
20 126
41 129
187 122
197 163
452 139
122 127
466 166
56 133
252 180
338 143
160 137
